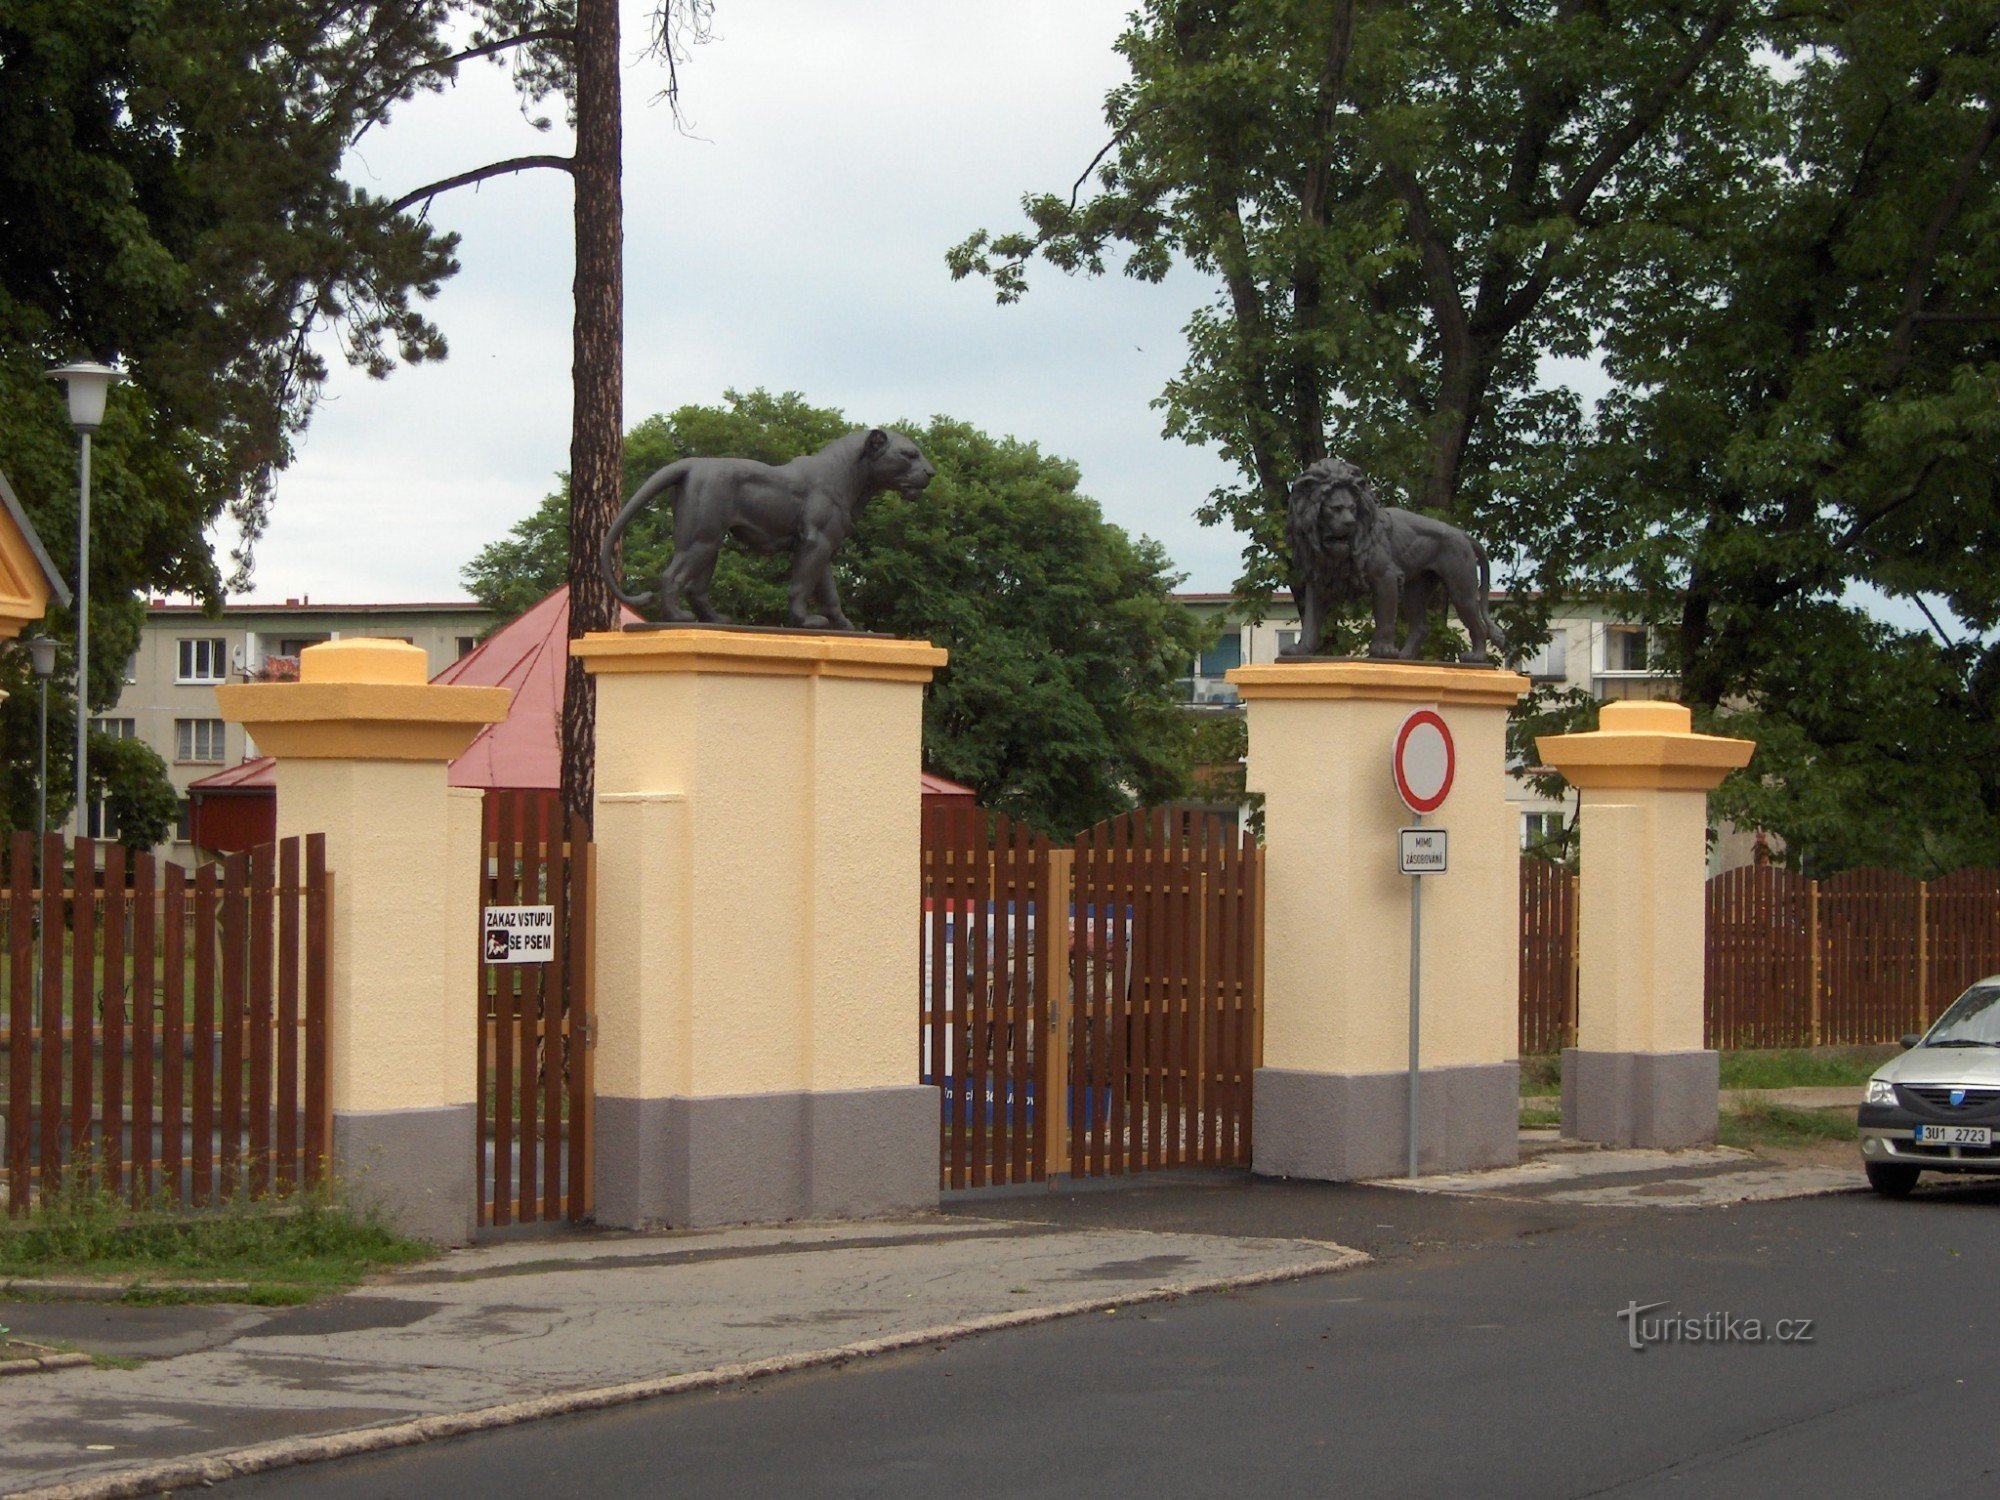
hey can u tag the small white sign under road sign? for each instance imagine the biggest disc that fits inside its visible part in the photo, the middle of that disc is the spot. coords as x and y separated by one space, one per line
1423 850
520 935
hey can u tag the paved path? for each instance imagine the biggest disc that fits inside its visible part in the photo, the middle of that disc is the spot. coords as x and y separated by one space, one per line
572 1323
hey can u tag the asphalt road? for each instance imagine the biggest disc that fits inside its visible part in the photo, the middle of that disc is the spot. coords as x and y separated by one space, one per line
1483 1356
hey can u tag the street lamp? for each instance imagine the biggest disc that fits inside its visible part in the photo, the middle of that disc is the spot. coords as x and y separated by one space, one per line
88 386
42 662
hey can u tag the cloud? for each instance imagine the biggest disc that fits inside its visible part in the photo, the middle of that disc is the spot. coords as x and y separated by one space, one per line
795 240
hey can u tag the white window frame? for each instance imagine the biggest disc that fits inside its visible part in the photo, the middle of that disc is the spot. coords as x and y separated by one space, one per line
193 654
192 736
117 728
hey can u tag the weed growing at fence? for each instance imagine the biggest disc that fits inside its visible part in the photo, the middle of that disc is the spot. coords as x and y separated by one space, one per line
1799 1067
1780 1125
274 1252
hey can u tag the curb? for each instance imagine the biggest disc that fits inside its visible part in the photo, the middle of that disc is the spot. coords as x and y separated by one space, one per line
54 1289
217 1468
39 1362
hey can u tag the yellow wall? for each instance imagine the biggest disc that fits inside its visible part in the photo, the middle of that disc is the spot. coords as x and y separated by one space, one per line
1640 921
757 835
1337 910
404 849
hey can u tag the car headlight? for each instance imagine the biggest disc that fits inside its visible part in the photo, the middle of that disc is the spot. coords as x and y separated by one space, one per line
1880 1091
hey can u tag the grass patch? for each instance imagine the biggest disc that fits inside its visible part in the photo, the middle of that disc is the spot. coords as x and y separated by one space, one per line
1780 1125
285 1252
1540 1117
1541 1073
1803 1067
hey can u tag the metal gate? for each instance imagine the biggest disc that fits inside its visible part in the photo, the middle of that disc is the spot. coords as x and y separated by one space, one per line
535 1038
1090 1008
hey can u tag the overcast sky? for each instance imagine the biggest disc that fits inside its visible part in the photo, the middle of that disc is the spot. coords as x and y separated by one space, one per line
795 242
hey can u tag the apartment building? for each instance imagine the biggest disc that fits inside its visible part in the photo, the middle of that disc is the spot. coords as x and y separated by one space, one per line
185 654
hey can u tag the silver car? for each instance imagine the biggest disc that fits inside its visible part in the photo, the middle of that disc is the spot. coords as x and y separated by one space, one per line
1937 1107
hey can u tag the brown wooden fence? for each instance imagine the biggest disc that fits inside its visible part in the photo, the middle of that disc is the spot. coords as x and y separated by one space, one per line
534 1021
1115 979
1854 960
166 1032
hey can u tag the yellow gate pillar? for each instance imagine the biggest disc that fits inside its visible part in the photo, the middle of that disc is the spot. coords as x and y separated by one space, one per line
758 847
1638 1074
1331 1099
361 742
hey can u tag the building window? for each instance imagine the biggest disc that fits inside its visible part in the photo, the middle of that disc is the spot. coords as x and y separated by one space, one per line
132 670
1540 828
204 659
1552 660
292 645
101 823
466 645
1625 648
1288 640
117 729
198 740
184 820
1219 658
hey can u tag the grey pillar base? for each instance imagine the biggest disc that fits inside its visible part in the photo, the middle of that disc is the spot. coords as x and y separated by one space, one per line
414 1166
1662 1100
1340 1127
765 1158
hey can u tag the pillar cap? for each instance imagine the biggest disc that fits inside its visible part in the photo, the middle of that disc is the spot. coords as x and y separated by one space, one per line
759 653
362 700
1379 681
1644 745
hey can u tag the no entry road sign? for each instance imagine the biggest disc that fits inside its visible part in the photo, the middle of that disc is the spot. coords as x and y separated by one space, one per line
1423 761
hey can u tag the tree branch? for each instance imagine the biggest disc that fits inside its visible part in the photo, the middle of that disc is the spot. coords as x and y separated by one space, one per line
429 191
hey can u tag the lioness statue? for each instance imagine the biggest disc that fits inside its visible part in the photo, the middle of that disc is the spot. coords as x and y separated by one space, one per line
805 507
1346 544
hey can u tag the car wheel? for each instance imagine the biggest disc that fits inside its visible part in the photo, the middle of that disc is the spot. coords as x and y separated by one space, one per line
1891 1179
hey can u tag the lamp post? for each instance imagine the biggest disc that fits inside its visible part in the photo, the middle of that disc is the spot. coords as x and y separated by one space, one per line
89 385
42 662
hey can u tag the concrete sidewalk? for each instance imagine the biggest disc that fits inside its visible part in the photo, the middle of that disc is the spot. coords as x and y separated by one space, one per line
504 1333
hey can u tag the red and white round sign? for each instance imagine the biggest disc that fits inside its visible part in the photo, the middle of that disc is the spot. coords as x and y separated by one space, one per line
1423 761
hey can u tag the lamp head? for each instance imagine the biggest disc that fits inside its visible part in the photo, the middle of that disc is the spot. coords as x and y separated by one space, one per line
88 384
41 656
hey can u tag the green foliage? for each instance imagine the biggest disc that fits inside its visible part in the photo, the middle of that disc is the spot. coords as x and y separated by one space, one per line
132 778
1059 705
1815 413
1774 227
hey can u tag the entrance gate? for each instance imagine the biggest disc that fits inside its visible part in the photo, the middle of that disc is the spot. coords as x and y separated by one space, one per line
535 1035
1115 979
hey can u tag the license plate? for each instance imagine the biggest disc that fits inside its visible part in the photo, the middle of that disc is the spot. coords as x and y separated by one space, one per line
1954 1135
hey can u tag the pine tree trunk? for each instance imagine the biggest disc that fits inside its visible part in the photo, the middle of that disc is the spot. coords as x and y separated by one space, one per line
597 416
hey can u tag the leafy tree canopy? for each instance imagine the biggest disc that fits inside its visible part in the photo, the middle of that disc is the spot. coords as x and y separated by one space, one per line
1058 706
1771 227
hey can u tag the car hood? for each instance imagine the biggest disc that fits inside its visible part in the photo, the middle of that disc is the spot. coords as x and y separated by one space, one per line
1980 1065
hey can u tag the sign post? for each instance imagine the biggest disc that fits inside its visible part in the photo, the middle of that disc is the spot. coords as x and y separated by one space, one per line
1422 762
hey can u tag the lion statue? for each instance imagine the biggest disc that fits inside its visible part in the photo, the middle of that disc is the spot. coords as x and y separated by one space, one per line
1346 544
806 507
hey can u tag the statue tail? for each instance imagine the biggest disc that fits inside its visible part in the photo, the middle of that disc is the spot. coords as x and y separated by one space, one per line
661 481
1493 631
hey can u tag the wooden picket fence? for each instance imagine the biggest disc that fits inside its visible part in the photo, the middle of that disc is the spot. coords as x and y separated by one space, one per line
1090 1008
535 1039
166 1031
1854 960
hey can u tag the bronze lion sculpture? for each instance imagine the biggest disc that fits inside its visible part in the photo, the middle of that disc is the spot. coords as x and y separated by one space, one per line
1346 544
806 507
